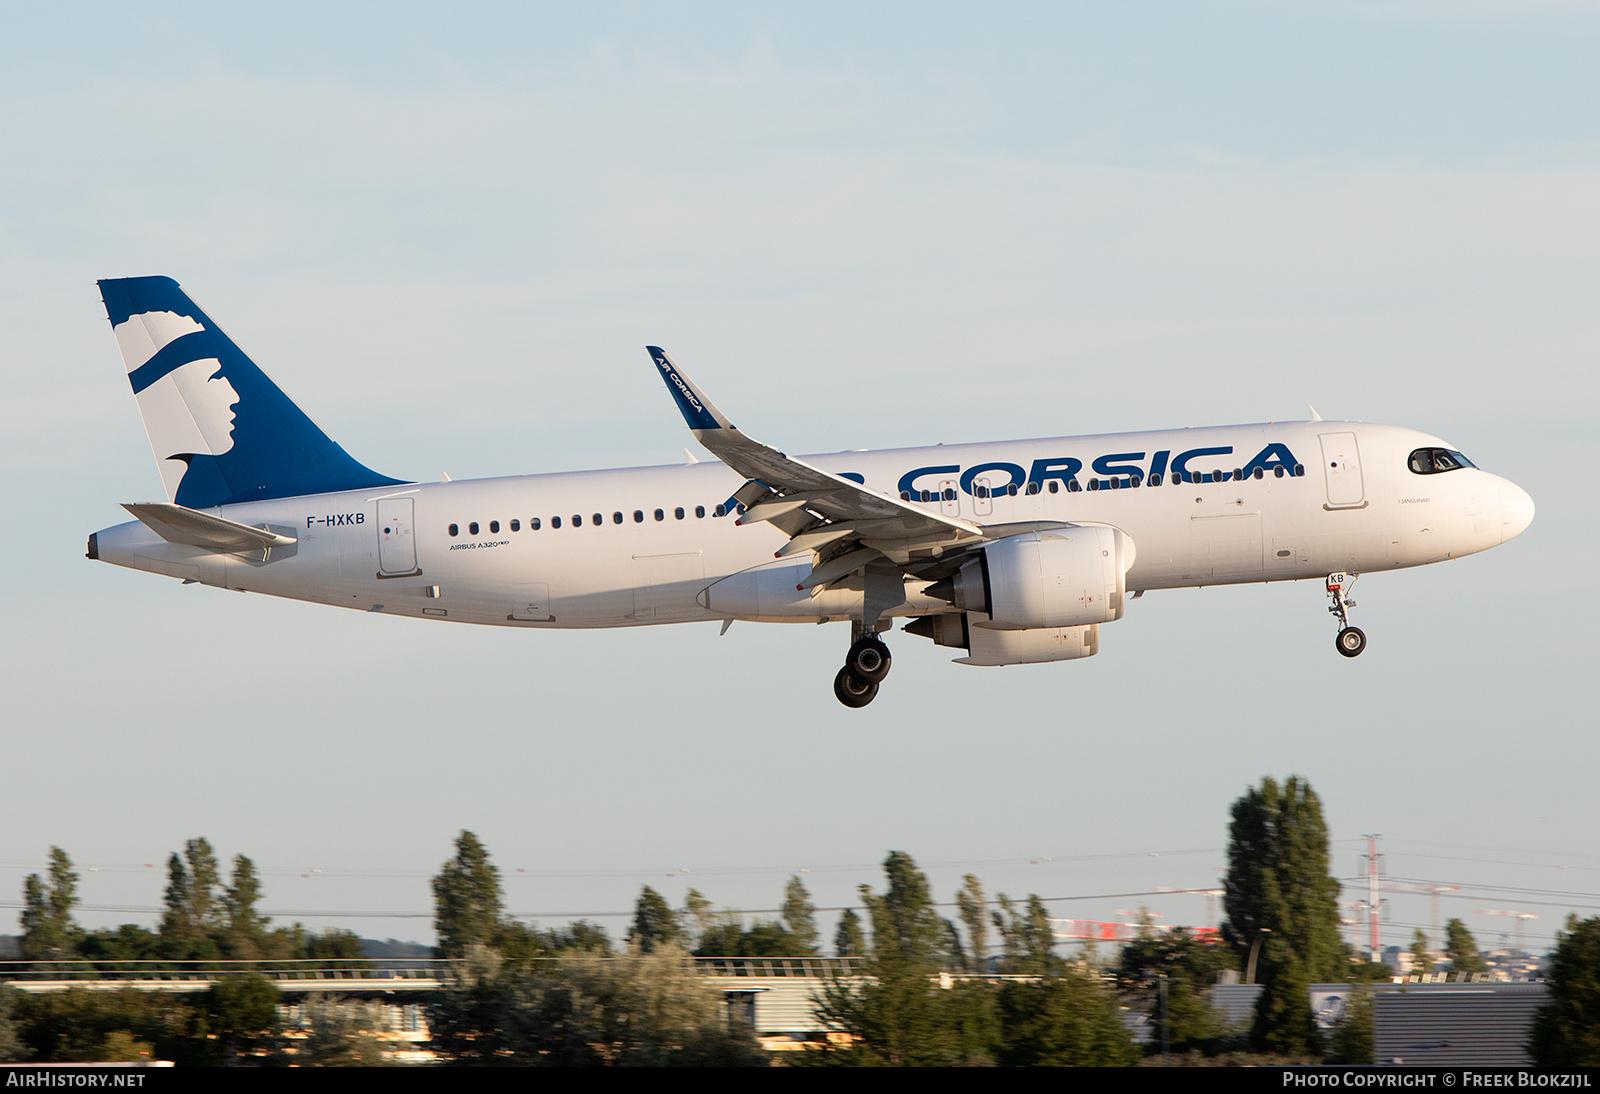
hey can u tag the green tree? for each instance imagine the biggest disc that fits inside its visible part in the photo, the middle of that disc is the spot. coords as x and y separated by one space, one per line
48 930
894 1015
243 1013
338 947
77 1026
849 940
763 939
1191 968
643 1009
1351 1039
340 1033
12 1050
1461 949
175 922
194 906
1421 954
1062 1020
973 910
906 927
1278 892
246 928
1566 1031
578 936
1284 1024
698 916
799 916
467 902
128 942
653 922
1027 938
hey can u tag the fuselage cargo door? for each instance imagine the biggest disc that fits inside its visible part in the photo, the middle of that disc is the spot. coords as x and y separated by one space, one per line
1341 469
397 547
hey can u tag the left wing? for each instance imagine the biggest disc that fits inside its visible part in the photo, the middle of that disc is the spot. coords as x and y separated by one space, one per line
848 526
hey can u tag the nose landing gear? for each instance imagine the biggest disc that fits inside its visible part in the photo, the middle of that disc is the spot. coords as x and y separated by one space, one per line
1350 641
864 669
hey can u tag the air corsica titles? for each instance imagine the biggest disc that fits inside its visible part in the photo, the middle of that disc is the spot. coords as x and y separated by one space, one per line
1273 458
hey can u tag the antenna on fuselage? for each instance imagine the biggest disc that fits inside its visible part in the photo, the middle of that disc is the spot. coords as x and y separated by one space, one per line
1315 417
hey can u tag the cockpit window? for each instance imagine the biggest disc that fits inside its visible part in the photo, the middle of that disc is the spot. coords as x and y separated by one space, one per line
1431 461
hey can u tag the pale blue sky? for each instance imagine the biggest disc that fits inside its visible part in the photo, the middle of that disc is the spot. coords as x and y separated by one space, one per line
448 236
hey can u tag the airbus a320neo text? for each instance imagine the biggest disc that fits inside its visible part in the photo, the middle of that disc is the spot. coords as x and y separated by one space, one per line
1014 552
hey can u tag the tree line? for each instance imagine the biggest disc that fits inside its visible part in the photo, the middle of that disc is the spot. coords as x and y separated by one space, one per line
922 989
202 919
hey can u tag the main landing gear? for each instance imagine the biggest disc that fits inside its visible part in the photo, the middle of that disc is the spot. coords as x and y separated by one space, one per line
1350 640
864 669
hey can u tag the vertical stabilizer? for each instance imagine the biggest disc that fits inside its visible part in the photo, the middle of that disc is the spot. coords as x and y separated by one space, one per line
222 432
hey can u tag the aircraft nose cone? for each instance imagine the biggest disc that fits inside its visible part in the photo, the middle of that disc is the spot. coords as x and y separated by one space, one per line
1516 510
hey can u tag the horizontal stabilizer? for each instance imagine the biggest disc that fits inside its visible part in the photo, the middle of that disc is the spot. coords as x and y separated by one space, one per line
176 524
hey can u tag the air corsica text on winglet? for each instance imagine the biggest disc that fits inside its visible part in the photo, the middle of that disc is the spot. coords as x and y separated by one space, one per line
693 409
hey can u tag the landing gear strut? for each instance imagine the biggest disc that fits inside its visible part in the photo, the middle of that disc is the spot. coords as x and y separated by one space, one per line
1350 640
864 669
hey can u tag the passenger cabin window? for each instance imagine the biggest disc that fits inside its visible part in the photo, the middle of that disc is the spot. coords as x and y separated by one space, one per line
1433 461
700 511
616 518
638 516
455 529
473 528
494 526
516 525
577 520
533 523
661 514
598 520
555 522
678 512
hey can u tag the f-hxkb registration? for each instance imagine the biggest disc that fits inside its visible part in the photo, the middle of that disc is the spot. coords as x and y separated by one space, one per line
1014 552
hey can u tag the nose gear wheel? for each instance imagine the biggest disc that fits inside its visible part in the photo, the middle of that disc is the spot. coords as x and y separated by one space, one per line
1350 641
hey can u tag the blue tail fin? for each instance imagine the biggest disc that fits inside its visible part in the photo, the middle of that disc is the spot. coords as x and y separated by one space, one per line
222 432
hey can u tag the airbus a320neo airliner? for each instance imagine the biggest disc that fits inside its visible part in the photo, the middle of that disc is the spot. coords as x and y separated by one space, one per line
1014 552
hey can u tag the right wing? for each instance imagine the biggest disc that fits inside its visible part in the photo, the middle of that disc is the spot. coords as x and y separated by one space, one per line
844 523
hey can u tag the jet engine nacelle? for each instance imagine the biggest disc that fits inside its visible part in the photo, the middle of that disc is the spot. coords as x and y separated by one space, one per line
986 646
1064 577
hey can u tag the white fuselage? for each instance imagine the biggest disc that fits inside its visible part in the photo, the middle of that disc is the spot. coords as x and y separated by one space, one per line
579 557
